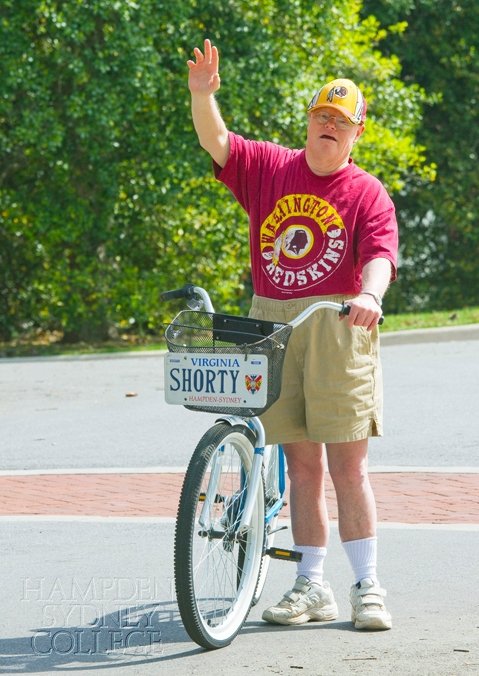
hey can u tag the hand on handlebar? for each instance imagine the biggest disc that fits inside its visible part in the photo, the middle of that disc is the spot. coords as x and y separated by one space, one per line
364 311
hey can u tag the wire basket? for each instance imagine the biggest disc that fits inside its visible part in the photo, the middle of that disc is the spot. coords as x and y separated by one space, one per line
208 332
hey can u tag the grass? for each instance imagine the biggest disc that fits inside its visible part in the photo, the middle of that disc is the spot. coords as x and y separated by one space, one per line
43 345
50 345
430 320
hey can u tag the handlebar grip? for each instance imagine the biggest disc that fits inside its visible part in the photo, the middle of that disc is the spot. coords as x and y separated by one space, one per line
345 310
186 291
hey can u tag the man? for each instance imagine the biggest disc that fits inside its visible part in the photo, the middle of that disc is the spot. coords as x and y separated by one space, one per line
320 227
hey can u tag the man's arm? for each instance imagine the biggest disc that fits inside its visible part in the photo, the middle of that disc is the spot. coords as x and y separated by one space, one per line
203 82
365 310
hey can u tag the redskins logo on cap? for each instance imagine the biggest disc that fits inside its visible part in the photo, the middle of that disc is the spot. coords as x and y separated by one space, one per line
340 92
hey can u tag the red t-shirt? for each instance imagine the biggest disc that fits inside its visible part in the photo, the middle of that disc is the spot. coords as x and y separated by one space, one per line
309 235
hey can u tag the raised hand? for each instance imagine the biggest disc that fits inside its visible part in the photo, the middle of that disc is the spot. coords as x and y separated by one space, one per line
203 76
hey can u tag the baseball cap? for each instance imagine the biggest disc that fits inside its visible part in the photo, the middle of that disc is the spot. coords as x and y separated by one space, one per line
342 95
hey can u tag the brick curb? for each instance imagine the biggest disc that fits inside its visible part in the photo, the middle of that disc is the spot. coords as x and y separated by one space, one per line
402 497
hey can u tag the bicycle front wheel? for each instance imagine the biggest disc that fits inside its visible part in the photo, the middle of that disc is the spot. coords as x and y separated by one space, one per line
216 567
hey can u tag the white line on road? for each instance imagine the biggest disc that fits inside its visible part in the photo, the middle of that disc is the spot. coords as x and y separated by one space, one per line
60 518
181 470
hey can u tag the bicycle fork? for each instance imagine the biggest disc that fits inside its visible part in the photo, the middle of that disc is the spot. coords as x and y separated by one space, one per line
245 507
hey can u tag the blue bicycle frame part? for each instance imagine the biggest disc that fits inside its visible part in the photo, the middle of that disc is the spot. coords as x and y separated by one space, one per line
282 470
272 510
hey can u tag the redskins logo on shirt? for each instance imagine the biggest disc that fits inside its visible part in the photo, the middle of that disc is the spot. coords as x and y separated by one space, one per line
302 242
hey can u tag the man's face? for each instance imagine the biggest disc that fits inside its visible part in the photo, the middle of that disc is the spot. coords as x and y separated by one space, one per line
330 139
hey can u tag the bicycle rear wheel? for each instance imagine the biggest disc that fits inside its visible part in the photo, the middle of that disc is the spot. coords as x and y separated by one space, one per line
217 568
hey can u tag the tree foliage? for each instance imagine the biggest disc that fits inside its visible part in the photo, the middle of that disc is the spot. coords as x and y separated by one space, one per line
105 196
439 49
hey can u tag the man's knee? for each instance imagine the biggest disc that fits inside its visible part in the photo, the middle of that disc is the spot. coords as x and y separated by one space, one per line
305 461
348 463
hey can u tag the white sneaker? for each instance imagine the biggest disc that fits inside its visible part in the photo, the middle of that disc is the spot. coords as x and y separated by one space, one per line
368 609
306 601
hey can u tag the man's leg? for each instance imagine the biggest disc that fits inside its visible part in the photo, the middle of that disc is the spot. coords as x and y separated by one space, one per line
357 519
348 467
309 515
310 598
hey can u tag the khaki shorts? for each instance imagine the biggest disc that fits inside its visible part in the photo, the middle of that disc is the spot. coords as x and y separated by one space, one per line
332 383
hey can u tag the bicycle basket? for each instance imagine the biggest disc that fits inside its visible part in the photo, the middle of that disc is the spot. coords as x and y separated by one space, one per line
240 339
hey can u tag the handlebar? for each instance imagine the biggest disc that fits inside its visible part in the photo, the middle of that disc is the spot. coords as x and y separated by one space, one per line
197 298
187 291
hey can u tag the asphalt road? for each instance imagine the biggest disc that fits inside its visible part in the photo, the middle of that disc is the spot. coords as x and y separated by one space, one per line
72 413
97 597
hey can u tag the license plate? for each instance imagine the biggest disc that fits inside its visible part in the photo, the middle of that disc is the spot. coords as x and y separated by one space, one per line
231 380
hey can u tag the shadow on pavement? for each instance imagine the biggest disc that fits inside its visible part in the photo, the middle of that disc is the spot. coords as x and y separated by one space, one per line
132 636
135 635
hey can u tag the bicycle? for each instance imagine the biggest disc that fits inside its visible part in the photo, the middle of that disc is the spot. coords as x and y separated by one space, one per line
234 485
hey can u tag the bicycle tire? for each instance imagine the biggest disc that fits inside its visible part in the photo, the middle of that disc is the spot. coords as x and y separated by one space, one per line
215 581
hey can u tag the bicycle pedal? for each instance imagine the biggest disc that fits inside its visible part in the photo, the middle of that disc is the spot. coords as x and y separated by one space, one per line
284 554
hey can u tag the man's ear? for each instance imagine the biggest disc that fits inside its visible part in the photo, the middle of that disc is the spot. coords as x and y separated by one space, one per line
359 131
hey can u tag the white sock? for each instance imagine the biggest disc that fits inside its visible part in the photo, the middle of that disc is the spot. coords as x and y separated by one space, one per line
311 565
362 555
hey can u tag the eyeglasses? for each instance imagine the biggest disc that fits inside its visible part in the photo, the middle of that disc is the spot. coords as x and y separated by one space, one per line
341 122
